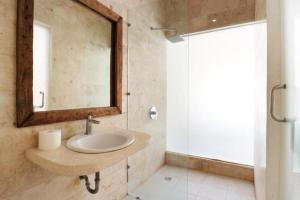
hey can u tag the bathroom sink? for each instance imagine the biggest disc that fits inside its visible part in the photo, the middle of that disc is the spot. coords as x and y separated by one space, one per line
100 142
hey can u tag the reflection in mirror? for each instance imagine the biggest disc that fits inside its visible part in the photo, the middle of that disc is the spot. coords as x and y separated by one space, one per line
41 66
71 56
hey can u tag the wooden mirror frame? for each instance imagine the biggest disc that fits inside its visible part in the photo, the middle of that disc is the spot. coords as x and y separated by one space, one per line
24 94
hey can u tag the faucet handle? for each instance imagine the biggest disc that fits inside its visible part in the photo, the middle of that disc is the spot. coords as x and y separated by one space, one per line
95 121
91 120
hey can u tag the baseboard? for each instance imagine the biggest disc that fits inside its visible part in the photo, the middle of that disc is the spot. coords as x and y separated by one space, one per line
219 167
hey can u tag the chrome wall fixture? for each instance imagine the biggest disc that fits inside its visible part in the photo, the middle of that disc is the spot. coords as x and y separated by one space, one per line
153 113
174 38
273 116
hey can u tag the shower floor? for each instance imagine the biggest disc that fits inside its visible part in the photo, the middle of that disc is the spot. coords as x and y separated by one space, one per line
174 183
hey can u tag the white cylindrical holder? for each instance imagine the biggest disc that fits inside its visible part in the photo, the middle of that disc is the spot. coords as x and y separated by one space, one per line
49 140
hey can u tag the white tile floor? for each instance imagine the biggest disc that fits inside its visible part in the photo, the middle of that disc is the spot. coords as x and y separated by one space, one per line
192 185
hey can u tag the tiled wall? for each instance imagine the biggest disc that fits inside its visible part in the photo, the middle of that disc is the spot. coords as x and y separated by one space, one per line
20 179
189 16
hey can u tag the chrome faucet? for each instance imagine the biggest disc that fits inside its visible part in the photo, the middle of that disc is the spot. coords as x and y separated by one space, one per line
89 123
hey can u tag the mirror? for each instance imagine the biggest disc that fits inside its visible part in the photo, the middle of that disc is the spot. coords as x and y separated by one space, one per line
69 61
71 56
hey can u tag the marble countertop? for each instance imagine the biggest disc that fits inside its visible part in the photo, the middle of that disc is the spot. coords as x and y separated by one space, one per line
65 162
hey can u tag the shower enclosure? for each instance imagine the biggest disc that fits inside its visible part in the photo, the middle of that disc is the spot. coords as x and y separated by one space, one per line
212 105
211 94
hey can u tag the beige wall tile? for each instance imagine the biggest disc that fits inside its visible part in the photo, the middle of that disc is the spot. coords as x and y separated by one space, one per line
22 180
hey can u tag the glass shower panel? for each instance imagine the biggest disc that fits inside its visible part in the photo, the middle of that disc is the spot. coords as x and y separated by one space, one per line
222 94
177 118
157 76
177 96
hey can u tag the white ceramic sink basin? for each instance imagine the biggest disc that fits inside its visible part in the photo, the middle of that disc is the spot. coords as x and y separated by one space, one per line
100 142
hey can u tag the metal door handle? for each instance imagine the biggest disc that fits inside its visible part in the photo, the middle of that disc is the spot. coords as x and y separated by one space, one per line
273 116
43 101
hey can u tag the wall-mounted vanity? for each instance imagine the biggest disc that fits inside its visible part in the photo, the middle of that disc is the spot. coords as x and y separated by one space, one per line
65 162
69 61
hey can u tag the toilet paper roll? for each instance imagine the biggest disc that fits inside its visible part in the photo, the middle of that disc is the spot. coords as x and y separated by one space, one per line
49 140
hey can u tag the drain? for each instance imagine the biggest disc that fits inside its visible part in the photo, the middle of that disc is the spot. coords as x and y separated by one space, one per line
138 198
168 178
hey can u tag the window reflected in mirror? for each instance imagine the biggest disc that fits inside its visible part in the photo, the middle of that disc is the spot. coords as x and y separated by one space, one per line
41 64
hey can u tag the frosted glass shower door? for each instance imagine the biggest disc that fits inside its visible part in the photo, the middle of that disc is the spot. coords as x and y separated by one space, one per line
222 94
177 96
